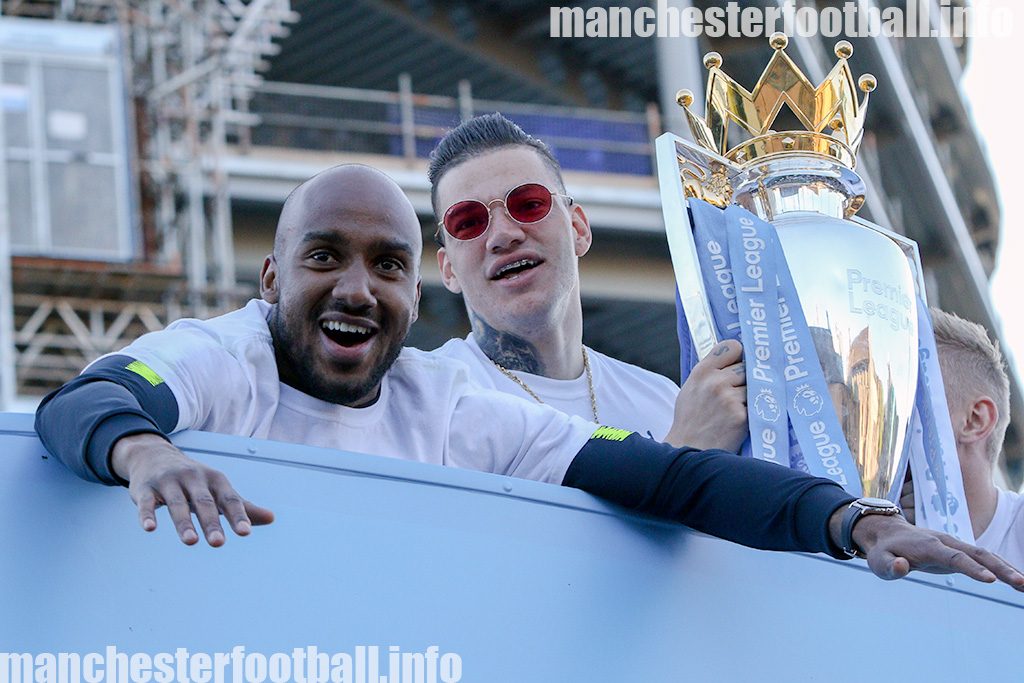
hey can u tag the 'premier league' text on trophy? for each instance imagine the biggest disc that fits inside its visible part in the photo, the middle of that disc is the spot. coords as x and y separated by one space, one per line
856 282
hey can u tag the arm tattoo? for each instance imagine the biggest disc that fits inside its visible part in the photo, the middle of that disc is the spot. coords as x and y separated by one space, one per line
506 349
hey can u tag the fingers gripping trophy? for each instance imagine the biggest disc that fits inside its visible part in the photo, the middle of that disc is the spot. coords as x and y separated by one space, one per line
840 360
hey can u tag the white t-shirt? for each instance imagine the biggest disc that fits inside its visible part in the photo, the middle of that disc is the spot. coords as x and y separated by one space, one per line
223 375
1005 533
628 397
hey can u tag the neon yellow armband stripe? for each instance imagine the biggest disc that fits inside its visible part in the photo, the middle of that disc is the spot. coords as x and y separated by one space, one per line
145 372
610 434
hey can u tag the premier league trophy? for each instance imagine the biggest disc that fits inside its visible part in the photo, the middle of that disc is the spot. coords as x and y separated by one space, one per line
858 284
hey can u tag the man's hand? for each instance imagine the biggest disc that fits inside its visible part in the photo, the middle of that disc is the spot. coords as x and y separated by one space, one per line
711 409
894 548
159 474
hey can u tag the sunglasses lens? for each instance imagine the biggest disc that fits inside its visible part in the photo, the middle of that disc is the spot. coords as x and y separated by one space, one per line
526 204
529 203
466 220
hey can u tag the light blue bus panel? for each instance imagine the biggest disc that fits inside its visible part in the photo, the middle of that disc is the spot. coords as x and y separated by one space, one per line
521 581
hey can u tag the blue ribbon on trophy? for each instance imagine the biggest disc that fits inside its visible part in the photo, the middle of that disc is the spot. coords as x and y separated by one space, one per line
938 483
756 295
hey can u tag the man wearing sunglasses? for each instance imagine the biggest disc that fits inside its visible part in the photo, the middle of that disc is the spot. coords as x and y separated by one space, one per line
510 240
319 360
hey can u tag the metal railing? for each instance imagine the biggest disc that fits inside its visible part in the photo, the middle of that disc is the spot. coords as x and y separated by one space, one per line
405 124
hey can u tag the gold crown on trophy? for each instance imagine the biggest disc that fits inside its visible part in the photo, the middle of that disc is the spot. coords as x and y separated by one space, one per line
832 117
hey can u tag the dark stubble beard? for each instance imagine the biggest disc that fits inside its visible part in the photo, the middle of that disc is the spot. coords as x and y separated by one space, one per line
298 370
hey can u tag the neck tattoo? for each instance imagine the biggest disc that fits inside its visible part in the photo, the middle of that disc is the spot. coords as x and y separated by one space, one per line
509 352
506 349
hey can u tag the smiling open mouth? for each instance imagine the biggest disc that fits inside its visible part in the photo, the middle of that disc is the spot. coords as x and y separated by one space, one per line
515 268
345 334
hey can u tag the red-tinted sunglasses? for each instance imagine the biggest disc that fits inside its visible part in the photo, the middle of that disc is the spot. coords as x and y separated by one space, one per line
468 219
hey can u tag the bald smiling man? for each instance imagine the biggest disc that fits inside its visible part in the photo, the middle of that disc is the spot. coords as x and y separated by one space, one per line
318 360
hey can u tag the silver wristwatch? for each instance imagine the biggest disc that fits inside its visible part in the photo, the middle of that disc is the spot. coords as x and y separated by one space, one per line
857 509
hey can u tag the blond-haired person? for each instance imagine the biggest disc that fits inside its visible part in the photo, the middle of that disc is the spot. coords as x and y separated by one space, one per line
978 393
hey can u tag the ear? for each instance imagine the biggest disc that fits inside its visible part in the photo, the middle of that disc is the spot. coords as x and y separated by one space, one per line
416 303
979 421
581 231
448 277
268 280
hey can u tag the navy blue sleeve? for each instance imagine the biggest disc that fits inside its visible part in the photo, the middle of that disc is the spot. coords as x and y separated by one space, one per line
117 396
747 501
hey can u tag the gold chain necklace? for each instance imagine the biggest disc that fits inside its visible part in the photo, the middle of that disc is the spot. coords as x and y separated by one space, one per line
586 368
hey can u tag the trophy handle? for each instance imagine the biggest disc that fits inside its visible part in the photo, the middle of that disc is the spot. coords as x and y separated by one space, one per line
685 170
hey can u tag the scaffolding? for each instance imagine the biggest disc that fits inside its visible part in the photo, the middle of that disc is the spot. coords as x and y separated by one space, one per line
201 62
190 69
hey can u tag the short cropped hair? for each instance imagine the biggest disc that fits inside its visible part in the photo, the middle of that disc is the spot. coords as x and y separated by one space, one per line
973 366
476 136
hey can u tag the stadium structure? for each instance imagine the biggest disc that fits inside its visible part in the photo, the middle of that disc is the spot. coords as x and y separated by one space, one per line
147 148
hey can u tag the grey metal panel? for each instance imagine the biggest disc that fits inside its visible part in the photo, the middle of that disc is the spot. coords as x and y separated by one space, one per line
68 109
83 92
15 103
525 581
83 206
19 203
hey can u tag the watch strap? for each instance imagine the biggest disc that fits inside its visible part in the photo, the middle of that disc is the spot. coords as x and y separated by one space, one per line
856 510
852 513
